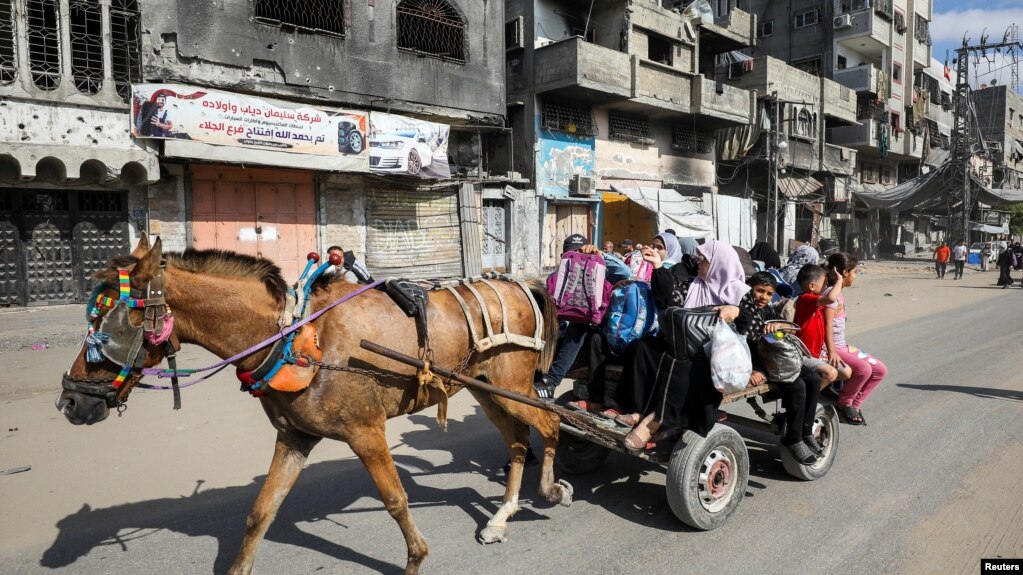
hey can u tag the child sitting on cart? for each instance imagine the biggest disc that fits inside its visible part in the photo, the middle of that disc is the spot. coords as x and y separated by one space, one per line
798 396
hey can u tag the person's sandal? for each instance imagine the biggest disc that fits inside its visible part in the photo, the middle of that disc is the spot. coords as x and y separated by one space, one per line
610 413
628 419
802 453
638 439
584 405
851 415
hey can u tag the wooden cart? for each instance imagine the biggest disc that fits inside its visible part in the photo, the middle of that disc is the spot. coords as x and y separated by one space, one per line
706 477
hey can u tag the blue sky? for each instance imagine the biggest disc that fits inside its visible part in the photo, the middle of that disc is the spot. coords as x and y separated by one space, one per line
953 18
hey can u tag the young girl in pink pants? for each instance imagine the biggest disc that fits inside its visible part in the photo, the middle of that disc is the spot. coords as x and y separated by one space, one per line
867 371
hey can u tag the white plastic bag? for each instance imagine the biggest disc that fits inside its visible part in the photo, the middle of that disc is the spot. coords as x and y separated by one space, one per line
730 363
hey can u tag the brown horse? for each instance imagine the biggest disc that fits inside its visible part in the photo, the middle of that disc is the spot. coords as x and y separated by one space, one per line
227 302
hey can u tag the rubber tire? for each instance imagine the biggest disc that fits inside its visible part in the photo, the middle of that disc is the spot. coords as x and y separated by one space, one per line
828 416
682 480
358 139
577 456
418 167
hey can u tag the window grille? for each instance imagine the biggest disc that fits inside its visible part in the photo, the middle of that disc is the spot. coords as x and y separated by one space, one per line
125 39
629 128
900 22
884 8
44 43
806 18
86 18
319 16
432 28
8 51
688 140
570 118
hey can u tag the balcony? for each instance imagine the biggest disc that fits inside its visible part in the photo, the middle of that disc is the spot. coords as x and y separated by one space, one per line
939 114
721 101
839 160
860 78
661 86
861 136
864 31
770 74
581 70
732 30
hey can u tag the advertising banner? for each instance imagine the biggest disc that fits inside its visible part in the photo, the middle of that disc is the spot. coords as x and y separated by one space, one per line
400 145
176 112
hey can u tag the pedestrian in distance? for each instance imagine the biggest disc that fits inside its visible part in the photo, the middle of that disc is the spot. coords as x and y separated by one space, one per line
941 255
985 257
959 254
1006 261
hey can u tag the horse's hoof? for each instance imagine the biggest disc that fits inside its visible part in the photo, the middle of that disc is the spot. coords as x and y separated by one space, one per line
494 534
566 492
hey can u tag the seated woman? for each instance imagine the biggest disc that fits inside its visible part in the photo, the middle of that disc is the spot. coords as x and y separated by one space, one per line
675 393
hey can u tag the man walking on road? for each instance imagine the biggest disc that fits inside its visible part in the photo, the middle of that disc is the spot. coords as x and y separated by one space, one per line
941 255
959 254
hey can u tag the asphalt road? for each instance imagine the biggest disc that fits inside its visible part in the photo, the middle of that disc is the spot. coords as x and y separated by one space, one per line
929 486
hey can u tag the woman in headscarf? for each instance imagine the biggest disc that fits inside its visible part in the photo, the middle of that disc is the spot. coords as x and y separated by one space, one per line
667 245
674 393
763 252
804 254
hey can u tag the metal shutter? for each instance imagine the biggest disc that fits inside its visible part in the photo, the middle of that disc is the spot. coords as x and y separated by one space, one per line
413 234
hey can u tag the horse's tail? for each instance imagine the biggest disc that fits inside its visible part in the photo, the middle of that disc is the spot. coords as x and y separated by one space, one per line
549 314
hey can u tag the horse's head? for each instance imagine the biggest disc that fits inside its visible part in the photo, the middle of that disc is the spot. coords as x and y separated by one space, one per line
129 329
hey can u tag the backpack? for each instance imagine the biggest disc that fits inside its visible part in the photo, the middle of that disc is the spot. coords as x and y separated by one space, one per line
579 289
641 269
630 315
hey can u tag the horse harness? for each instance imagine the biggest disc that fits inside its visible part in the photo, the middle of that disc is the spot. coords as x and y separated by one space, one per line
120 341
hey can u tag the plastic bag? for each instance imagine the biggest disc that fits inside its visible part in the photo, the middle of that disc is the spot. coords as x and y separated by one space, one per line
730 362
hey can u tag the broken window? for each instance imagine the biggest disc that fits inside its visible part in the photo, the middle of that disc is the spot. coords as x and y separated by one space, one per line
433 28
8 53
124 45
688 140
629 128
659 49
44 43
570 118
320 16
86 19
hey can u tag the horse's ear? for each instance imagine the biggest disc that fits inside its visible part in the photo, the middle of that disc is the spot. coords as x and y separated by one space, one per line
149 263
142 247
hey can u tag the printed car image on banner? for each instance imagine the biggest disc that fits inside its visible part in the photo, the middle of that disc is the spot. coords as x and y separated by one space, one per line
400 145
169 111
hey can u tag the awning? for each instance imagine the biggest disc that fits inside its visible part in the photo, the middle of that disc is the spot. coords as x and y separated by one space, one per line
997 196
989 229
907 195
798 186
672 210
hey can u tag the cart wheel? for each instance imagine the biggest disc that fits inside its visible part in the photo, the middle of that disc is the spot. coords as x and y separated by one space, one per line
825 431
707 477
577 456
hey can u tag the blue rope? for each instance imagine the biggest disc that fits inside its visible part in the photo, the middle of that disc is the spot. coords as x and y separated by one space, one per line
94 346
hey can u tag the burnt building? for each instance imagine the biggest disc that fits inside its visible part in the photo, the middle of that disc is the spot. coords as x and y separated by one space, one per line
614 109
435 200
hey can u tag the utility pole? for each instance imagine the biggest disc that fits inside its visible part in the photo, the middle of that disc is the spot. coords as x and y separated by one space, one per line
962 134
772 203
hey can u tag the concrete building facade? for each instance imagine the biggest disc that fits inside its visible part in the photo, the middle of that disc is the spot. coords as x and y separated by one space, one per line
617 96
875 48
72 183
1000 114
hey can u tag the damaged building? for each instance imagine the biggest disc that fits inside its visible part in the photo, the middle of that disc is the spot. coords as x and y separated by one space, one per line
614 107
73 182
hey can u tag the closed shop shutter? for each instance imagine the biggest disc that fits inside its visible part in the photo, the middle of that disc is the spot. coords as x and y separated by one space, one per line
413 234
263 213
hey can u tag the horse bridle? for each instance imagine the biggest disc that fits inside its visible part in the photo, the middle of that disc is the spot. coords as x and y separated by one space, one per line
120 341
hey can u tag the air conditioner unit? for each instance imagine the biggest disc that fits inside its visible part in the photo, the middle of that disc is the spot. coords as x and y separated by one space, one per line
582 186
843 21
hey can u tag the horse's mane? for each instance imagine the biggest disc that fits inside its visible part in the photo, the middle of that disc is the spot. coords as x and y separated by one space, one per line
214 262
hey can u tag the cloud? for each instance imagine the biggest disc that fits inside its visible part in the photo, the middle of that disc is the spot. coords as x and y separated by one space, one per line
950 26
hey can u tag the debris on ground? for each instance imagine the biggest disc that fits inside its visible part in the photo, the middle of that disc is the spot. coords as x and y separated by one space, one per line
14 470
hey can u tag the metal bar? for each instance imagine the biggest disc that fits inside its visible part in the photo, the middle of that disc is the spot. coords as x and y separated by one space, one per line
464 380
